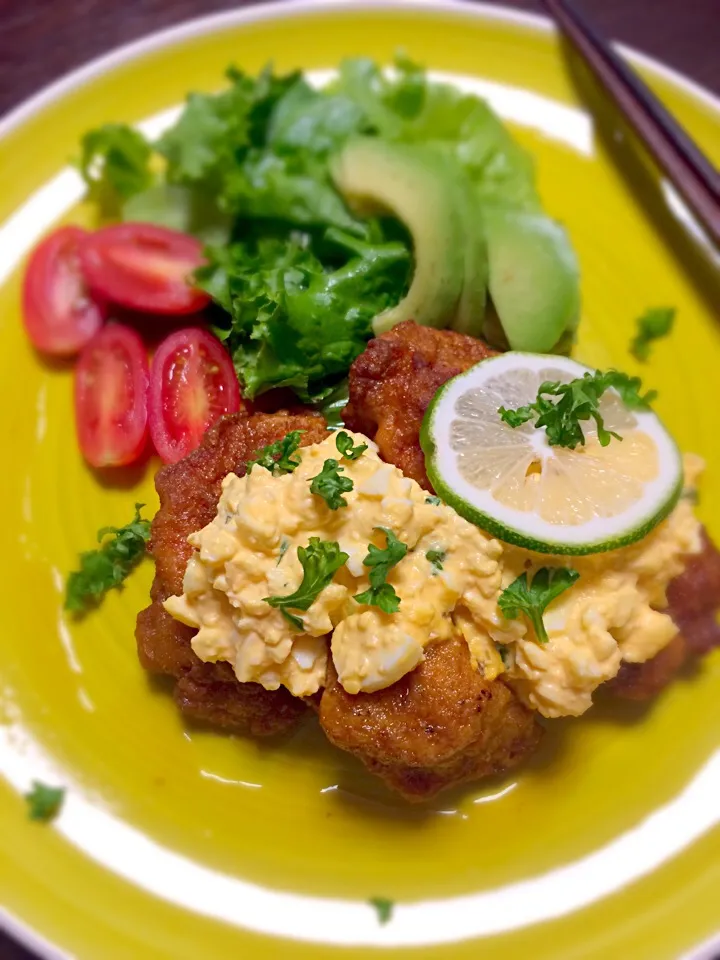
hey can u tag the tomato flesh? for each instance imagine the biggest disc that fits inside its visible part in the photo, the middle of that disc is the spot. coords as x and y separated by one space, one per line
144 267
111 397
60 316
192 384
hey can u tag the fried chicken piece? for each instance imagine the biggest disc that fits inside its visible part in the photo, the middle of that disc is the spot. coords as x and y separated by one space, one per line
189 492
694 599
439 725
211 693
393 382
693 604
163 643
642 681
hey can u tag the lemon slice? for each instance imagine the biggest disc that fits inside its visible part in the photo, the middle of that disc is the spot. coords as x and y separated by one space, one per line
511 482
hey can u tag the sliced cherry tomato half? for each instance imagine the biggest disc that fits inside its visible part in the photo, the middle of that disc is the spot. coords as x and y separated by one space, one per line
60 316
111 397
144 267
192 384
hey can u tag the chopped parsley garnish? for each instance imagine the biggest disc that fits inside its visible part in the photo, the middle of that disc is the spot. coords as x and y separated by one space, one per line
533 598
346 448
320 561
329 485
380 562
284 545
579 400
654 324
435 558
44 802
433 501
383 907
505 654
108 566
277 457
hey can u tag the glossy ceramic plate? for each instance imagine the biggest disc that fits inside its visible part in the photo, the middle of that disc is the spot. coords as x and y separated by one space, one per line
181 842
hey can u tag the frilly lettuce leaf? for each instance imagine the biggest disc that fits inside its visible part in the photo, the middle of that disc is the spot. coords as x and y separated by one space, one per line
294 323
180 208
294 187
115 163
215 131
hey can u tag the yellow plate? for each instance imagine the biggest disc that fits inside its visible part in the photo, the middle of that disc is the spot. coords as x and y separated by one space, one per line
183 843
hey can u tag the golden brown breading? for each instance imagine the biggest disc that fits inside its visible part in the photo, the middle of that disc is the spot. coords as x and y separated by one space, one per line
394 380
642 681
211 693
694 599
440 725
189 492
163 643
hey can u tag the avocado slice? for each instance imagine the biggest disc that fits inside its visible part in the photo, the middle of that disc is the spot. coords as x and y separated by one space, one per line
416 185
533 278
471 306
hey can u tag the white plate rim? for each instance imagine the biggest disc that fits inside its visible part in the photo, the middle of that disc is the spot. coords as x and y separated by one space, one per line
277 9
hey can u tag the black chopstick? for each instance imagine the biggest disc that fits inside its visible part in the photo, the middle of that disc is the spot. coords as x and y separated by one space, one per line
685 165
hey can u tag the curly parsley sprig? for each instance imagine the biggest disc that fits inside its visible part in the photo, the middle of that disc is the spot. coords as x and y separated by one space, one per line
382 594
329 485
654 324
108 566
575 402
383 907
532 598
320 561
346 448
277 457
44 802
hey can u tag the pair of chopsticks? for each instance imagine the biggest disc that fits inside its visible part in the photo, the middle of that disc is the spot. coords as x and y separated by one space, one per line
682 161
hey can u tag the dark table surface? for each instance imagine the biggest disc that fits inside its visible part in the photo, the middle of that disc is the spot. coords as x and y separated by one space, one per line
42 39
